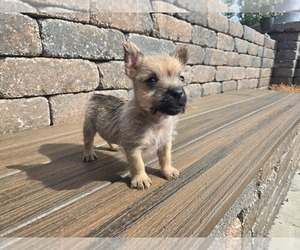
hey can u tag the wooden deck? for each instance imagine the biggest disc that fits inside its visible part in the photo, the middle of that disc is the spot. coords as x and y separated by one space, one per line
222 142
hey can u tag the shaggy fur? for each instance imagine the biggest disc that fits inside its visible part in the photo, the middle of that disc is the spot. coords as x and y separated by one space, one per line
146 121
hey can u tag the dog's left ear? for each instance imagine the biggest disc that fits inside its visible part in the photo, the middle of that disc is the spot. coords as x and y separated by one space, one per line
182 54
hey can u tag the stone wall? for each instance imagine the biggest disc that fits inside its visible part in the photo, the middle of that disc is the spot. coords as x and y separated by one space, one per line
51 62
287 63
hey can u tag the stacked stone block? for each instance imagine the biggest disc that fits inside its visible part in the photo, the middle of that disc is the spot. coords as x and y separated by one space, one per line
286 68
51 62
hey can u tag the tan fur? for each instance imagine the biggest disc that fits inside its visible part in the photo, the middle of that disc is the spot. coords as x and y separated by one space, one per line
148 120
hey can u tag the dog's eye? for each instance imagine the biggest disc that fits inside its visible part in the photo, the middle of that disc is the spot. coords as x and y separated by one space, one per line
152 80
181 78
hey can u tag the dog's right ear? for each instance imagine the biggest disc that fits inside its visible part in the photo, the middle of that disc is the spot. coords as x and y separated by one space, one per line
133 58
182 54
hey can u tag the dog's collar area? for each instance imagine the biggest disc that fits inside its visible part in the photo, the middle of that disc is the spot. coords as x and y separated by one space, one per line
159 117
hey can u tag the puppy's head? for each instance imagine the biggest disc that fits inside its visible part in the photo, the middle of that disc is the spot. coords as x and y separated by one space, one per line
157 80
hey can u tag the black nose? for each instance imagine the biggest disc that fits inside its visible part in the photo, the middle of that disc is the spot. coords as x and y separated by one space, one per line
177 93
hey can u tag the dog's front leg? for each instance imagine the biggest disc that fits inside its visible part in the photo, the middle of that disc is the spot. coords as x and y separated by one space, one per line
139 178
165 162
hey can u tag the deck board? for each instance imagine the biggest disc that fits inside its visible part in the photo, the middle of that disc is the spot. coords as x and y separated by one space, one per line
47 191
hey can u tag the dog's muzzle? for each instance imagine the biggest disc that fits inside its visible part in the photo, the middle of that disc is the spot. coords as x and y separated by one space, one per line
173 102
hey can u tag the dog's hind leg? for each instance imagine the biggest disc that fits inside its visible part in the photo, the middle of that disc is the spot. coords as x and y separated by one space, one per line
89 132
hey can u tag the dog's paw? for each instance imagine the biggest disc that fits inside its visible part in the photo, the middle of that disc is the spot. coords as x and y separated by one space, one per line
89 156
141 181
170 173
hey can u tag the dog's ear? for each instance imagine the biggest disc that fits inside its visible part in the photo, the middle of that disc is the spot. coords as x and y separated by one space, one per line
133 58
182 54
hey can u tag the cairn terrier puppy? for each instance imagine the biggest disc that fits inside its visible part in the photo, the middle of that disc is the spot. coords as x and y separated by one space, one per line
146 121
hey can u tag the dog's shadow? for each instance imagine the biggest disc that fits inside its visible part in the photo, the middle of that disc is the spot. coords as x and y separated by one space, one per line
66 171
